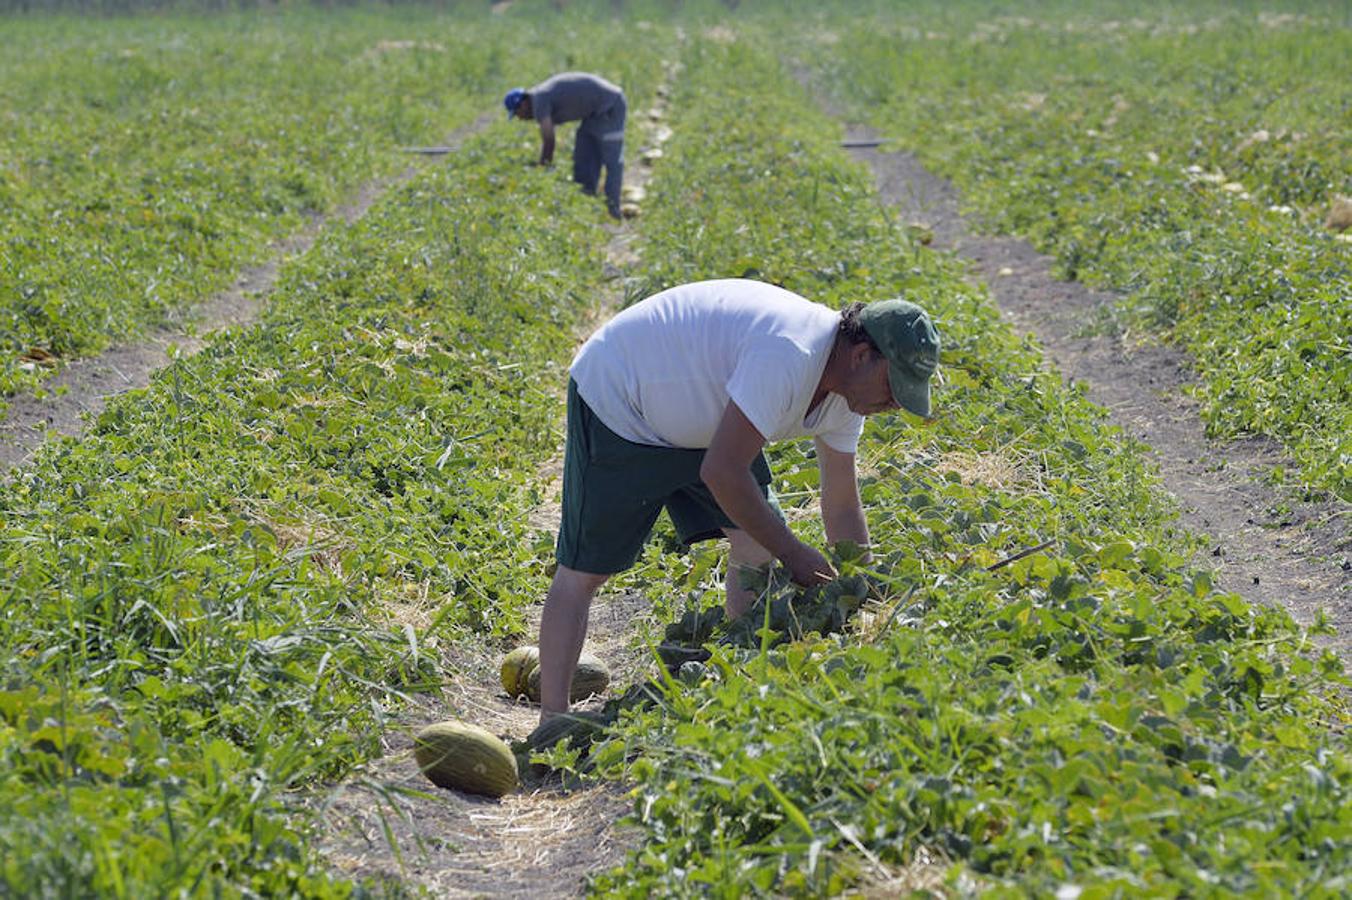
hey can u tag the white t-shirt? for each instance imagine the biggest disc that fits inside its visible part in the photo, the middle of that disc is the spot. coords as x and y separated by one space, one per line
663 371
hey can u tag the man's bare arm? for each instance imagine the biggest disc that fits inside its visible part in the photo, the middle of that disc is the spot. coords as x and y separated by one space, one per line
546 142
727 472
842 512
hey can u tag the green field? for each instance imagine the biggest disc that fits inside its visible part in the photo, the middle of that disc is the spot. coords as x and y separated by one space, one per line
1188 160
203 601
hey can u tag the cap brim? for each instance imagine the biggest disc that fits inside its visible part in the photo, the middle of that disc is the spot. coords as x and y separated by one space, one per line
913 394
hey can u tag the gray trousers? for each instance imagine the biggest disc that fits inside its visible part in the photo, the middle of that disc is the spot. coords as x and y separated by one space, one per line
600 142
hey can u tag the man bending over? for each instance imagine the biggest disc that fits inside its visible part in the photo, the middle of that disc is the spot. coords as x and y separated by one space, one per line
669 406
600 108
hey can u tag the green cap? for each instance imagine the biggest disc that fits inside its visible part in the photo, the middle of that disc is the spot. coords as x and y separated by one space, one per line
906 336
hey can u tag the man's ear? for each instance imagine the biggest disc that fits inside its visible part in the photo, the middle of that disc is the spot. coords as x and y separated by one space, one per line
861 354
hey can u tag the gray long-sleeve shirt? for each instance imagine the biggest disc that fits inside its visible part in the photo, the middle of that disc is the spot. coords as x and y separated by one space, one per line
570 96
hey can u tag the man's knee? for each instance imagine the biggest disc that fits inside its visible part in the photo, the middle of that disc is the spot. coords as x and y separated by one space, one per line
744 550
579 582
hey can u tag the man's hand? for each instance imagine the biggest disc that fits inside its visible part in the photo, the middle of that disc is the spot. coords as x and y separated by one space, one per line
808 565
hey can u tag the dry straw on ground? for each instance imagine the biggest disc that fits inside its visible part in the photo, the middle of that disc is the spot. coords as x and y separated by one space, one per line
990 469
1340 214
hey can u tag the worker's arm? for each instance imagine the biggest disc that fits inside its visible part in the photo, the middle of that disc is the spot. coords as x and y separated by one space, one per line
842 513
546 142
727 473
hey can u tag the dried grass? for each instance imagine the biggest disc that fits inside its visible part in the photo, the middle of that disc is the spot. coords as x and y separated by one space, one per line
538 844
326 547
399 46
1261 136
1120 105
989 469
721 34
1340 214
413 608
924 875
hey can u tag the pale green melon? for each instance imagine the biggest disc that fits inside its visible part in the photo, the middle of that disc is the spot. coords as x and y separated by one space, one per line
590 677
465 758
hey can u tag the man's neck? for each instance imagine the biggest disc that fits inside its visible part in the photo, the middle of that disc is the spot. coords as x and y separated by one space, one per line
830 376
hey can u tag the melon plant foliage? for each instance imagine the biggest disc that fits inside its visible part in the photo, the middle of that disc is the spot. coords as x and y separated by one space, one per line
215 603
1091 717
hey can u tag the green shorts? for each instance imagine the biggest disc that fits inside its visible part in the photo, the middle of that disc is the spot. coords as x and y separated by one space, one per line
614 490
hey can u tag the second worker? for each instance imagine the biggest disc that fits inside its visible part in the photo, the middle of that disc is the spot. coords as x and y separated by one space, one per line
599 108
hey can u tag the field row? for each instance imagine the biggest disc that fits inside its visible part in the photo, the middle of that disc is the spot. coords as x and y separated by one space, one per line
1200 167
207 600
1093 715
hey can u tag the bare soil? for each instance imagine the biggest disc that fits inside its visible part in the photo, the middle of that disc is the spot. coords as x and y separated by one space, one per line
1265 545
539 842
83 388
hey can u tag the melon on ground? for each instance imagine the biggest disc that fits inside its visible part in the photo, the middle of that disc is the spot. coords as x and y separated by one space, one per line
465 758
590 677
516 668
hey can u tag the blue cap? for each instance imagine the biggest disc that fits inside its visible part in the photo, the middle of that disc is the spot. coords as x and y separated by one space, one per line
513 100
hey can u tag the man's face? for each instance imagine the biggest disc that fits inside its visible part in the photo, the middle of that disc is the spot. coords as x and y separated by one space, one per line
523 109
866 389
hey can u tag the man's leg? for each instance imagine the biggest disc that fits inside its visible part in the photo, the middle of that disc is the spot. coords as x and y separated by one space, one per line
612 154
744 553
586 160
563 628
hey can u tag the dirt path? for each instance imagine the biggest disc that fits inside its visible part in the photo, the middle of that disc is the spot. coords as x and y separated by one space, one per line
83 388
536 843
1266 546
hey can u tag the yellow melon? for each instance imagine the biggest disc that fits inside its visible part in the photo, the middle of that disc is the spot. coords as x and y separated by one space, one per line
516 668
